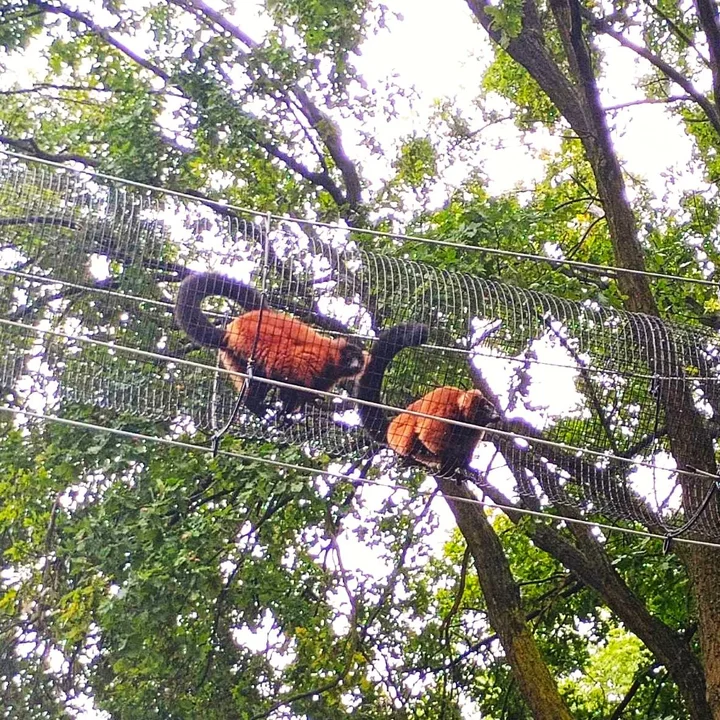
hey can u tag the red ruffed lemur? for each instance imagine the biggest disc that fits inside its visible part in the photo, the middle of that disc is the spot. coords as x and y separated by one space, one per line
282 347
439 445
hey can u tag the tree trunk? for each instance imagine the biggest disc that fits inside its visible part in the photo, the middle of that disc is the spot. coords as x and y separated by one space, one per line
577 98
503 605
586 559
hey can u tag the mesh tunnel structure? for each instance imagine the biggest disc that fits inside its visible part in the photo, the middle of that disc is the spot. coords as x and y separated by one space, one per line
90 268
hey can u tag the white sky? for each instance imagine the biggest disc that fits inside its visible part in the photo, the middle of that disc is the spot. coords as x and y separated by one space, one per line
443 53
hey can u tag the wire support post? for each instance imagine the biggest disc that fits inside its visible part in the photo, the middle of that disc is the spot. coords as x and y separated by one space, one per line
247 384
219 434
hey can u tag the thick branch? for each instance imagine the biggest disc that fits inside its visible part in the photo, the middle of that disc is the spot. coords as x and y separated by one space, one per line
708 14
690 441
30 147
603 485
503 603
608 173
529 49
322 179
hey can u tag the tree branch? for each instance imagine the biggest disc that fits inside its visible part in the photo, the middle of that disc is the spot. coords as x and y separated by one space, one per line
632 690
103 33
665 68
529 49
37 220
30 147
322 179
319 121
708 15
675 28
38 87
587 560
689 440
602 485
587 120
340 675
444 630
649 101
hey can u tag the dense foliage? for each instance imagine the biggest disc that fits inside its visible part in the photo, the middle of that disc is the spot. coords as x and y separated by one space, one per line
142 580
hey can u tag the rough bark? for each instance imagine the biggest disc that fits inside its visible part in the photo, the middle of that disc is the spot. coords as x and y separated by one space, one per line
504 607
708 15
585 557
576 96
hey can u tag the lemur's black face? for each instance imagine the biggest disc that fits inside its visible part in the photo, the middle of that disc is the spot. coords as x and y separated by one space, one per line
486 414
352 359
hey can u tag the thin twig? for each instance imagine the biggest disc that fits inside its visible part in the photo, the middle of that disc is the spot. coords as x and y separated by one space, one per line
445 625
632 690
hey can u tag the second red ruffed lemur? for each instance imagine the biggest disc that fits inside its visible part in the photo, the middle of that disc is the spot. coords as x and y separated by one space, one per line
439 445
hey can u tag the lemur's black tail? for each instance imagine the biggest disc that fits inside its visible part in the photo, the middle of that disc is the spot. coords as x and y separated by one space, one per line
388 344
194 288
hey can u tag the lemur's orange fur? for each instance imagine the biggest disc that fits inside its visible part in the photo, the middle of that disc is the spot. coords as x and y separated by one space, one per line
432 442
289 350
282 347
436 443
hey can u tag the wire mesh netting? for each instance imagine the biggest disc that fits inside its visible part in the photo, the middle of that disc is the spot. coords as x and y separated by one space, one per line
90 270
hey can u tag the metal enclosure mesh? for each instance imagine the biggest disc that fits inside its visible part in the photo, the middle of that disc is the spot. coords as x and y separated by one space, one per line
89 270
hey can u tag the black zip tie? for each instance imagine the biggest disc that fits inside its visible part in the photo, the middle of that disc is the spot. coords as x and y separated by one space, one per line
715 487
